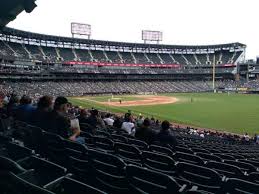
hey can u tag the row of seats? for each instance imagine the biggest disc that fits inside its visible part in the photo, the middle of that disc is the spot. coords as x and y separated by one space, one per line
111 174
134 165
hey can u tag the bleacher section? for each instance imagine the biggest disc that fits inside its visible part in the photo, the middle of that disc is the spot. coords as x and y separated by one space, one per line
102 87
111 161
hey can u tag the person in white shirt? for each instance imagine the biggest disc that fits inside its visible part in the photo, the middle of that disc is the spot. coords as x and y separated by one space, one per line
246 137
128 125
108 120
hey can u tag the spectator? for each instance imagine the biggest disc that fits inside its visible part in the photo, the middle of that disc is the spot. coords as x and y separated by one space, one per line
95 120
60 124
117 122
108 120
140 120
40 115
128 124
144 133
25 109
164 136
12 105
83 116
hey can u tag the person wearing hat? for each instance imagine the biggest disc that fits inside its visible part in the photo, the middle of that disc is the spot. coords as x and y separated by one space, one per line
60 124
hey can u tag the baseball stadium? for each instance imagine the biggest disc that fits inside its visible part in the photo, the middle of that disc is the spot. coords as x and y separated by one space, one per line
92 116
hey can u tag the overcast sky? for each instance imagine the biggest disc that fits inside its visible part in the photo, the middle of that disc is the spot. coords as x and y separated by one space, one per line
190 22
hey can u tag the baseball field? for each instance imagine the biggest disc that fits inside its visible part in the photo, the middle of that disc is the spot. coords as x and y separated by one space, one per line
236 113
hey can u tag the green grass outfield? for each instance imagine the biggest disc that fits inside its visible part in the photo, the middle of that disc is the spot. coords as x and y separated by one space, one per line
235 113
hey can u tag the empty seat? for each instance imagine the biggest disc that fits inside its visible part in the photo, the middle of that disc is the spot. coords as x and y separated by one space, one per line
158 162
254 163
89 140
224 169
79 166
119 138
245 167
206 179
8 165
182 149
138 143
43 171
68 185
225 156
104 143
109 171
233 186
74 149
34 139
17 152
189 158
101 133
209 157
200 150
148 181
12 184
129 153
161 150
254 177
54 148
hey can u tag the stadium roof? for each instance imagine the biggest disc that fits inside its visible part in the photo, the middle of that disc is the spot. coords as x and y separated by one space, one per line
9 9
37 36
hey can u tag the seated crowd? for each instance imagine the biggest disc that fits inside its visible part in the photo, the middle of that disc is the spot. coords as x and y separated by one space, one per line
60 117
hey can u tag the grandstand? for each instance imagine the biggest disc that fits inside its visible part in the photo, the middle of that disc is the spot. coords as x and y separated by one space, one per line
36 57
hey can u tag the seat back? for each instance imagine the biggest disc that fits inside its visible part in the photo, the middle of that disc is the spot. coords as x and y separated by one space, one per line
143 180
35 139
158 162
109 170
233 186
209 157
182 149
205 178
161 150
119 138
254 177
104 143
12 184
129 153
17 152
224 169
74 149
245 167
69 185
189 158
138 143
200 150
225 156
7 165
54 148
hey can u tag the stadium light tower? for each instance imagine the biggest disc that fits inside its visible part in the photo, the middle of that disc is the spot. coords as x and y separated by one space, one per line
152 36
81 29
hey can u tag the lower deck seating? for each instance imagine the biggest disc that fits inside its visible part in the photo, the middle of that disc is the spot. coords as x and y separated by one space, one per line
114 163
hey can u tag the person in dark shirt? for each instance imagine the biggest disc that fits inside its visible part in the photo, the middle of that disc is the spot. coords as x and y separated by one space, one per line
95 120
59 123
25 109
39 117
83 116
12 106
144 133
164 136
